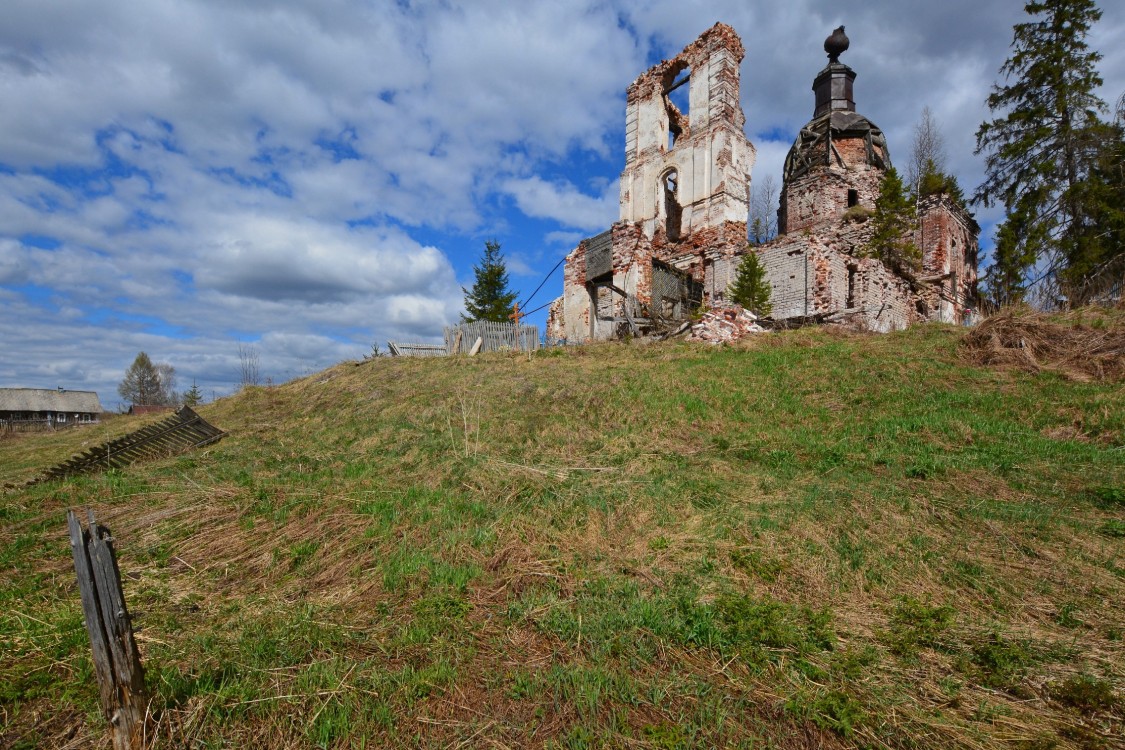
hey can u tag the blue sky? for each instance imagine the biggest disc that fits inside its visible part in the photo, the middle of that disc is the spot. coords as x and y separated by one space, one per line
309 178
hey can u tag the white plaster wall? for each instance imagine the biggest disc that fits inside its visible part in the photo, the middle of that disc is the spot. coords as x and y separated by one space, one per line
699 95
652 124
708 192
575 317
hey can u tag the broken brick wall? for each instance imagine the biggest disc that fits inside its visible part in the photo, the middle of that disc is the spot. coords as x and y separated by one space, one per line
632 261
784 261
704 149
703 254
947 235
569 316
885 301
823 275
590 309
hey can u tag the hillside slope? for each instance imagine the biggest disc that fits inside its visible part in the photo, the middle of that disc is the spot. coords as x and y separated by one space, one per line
815 539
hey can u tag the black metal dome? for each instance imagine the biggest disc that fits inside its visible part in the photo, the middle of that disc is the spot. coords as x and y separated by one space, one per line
836 44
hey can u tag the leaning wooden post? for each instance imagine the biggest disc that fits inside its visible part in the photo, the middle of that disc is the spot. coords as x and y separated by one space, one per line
117 663
516 338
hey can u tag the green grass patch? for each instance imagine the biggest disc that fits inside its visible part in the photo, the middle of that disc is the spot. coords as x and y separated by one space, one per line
813 539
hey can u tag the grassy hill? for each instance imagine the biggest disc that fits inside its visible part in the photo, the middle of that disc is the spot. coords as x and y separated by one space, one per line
813 539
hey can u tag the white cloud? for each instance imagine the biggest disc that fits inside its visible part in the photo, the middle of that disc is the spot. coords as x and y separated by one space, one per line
180 152
280 259
566 239
518 265
563 202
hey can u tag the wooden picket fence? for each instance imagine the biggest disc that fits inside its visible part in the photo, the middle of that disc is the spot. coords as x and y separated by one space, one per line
461 339
400 349
495 337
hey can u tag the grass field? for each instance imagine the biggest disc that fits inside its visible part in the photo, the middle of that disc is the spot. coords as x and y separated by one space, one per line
813 539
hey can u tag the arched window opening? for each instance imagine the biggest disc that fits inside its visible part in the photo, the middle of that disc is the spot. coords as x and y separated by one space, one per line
672 211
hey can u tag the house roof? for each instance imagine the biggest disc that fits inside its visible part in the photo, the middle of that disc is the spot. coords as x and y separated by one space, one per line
149 408
45 399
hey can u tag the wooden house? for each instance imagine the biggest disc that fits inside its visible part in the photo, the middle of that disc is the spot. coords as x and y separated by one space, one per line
26 409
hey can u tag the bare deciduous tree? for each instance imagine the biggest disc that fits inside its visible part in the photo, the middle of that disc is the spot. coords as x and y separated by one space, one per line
167 376
248 361
763 211
928 146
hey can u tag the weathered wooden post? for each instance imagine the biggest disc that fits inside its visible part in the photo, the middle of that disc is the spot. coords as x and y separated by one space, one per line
117 663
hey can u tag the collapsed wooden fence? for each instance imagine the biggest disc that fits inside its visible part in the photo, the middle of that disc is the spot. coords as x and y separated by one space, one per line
400 349
182 431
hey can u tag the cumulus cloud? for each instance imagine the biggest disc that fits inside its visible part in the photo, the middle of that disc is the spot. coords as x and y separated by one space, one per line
563 202
567 239
278 259
310 177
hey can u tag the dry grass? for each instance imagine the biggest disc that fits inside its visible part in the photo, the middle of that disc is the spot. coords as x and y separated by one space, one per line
620 546
1084 344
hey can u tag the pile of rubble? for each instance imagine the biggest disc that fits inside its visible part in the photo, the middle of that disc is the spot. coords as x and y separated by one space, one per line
725 324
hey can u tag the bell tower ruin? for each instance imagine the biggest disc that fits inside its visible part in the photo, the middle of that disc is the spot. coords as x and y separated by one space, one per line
684 202
687 171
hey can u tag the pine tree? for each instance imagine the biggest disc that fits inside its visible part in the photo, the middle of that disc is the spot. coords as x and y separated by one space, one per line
750 288
192 396
489 299
893 226
144 383
1042 149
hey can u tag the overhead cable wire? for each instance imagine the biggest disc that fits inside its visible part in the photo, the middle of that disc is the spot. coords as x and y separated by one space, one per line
541 283
548 304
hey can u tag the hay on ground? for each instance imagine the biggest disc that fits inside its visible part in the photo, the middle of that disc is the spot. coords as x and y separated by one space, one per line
1085 344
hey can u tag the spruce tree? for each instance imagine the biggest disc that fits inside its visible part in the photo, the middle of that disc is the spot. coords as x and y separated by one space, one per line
1100 238
750 288
489 299
1005 280
893 225
1045 143
192 396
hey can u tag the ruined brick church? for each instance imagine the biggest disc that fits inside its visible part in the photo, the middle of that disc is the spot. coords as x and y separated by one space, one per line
685 202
